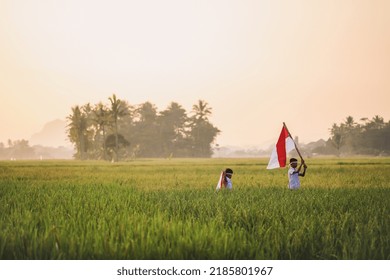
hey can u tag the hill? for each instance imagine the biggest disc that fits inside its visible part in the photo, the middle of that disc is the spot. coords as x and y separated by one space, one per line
53 134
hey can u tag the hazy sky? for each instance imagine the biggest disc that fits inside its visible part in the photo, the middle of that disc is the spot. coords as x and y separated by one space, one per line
257 63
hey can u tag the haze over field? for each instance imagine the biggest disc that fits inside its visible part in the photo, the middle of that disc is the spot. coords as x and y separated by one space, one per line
257 63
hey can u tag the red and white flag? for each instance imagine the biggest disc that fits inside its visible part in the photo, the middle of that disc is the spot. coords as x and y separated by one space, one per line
221 183
284 145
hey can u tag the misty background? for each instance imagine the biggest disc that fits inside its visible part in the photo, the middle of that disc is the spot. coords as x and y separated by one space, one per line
116 131
257 63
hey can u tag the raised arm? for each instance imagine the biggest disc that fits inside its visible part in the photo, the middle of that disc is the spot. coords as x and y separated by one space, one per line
304 169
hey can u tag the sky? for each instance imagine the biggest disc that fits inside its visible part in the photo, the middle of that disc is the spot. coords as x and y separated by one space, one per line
256 63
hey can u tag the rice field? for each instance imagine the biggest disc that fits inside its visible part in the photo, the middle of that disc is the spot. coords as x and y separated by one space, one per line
168 209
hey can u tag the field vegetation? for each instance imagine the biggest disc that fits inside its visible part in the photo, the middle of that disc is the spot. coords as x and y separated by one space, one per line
168 209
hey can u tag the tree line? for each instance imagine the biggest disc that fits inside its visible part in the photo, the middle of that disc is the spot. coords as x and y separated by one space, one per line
367 137
118 131
21 149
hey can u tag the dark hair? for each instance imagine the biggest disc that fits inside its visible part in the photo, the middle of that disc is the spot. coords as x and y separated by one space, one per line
293 159
228 170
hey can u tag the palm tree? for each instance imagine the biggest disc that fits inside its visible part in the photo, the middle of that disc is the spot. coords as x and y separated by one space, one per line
202 132
102 119
350 122
378 122
118 109
337 136
202 111
146 130
172 125
77 130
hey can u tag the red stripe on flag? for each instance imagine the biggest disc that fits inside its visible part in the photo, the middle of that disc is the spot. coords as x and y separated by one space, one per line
281 147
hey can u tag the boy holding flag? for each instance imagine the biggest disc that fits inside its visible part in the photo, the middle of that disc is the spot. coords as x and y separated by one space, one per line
278 158
225 180
294 173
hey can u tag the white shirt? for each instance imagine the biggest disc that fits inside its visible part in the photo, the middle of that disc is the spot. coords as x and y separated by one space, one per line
293 179
229 184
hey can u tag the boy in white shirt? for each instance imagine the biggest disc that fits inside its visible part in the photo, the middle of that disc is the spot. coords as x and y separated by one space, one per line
294 173
228 178
225 180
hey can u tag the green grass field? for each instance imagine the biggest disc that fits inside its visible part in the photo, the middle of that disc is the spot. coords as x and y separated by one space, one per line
168 209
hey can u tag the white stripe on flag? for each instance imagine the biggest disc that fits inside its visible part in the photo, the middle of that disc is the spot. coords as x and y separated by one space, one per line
281 149
219 185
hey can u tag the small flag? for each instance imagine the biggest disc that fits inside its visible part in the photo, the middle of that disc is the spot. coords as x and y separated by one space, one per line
284 145
221 181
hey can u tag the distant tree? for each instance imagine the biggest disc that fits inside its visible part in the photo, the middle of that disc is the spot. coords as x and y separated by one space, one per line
77 131
374 138
371 137
343 136
115 143
22 150
146 132
118 109
101 119
172 124
349 123
104 130
337 137
328 149
202 133
201 111
377 123
2 151
352 132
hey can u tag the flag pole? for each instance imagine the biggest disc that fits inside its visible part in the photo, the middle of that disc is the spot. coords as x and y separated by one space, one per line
296 147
